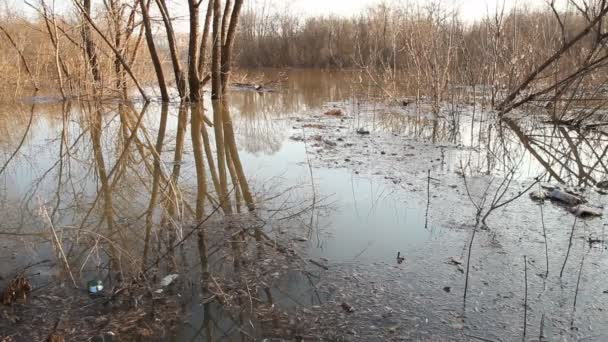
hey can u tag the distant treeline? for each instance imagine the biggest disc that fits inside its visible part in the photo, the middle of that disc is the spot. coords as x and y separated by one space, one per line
430 43
543 54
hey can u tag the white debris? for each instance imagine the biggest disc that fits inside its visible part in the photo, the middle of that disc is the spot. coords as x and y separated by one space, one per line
166 281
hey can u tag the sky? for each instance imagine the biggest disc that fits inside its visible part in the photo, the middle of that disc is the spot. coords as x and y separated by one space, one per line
468 9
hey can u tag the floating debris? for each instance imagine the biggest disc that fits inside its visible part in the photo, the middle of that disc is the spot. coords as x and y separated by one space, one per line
565 197
570 197
95 286
334 112
55 337
594 241
602 184
166 281
538 196
400 259
317 263
455 261
330 143
586 211
347 307
447 289
555 193
317 126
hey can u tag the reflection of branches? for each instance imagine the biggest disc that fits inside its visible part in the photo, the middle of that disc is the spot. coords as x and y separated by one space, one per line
66 109
230 141
118 162
27 129
155 177
576 156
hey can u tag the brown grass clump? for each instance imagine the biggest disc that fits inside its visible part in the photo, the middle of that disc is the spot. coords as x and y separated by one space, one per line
17 289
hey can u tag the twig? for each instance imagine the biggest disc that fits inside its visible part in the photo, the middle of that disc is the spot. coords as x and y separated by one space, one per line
569 246
495 202
480 338
58 243
466 281
542 328
428 202
578 283
542 220
316 263
312 180
525 297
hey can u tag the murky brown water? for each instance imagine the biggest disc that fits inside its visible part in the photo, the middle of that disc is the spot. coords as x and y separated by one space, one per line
92 167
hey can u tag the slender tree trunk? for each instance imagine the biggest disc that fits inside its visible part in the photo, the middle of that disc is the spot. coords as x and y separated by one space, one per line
89 44
199 161
58 60
229 42
225 19
221 155
193 79
180 78
116 17
153 53
216 58
204 40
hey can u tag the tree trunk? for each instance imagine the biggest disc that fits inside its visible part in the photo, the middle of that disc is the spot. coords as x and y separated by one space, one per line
180 78
89 44
216 77
153 53
116 18
205 39
225 19
193 80
221 155
227 47
199 161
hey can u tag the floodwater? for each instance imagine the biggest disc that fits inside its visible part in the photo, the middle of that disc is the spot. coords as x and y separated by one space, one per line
345 200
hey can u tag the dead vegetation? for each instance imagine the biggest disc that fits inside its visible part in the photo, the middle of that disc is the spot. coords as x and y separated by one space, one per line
129 311
17 290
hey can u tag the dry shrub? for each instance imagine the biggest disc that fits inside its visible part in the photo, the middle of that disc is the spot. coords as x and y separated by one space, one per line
17 290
